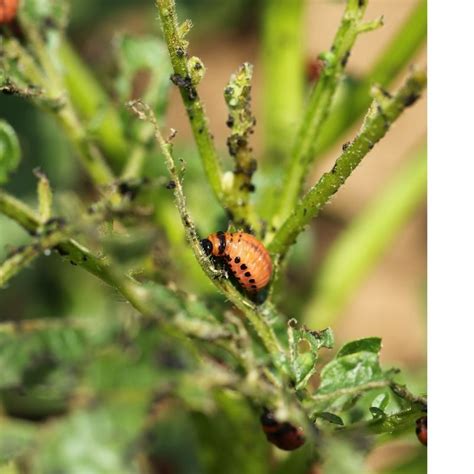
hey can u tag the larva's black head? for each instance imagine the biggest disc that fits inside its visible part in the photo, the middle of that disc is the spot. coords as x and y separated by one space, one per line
206 245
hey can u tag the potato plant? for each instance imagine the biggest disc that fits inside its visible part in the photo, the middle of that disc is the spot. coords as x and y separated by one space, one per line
125 348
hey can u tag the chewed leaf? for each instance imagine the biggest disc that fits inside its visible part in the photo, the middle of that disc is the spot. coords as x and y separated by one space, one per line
303 363
9 151
368 344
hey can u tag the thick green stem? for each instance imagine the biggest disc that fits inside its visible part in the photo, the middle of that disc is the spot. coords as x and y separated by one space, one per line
385 109
283 69
91 102
393 59
360 246
177 48
319 105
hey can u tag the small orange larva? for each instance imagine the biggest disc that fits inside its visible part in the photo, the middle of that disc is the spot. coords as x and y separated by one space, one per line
246 257
8 9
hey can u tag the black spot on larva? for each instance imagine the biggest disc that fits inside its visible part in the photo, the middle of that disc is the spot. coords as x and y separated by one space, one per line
73 263
237 259
247 274
222 243
254 286
243 266
345 146
171 185
84 258
251 280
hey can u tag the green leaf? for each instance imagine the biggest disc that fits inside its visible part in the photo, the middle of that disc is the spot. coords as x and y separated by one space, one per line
9 151
379 404
144 71
368 344
94 441
350 371
303 363
381 401
331 417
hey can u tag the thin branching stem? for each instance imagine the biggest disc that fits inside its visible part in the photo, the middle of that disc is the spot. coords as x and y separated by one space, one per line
319 104
177 47
390 62
385 109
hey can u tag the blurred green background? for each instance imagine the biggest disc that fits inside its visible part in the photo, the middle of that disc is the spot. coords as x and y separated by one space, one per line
389 303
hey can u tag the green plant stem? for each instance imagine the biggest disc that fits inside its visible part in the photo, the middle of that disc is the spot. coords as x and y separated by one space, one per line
262 328
241 123
360 246
25 255
91 101
319 104
283 70
177 48
385 109
393 59
403 392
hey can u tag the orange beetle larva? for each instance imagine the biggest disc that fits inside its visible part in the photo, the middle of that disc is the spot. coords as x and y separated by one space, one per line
8 9
246 257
